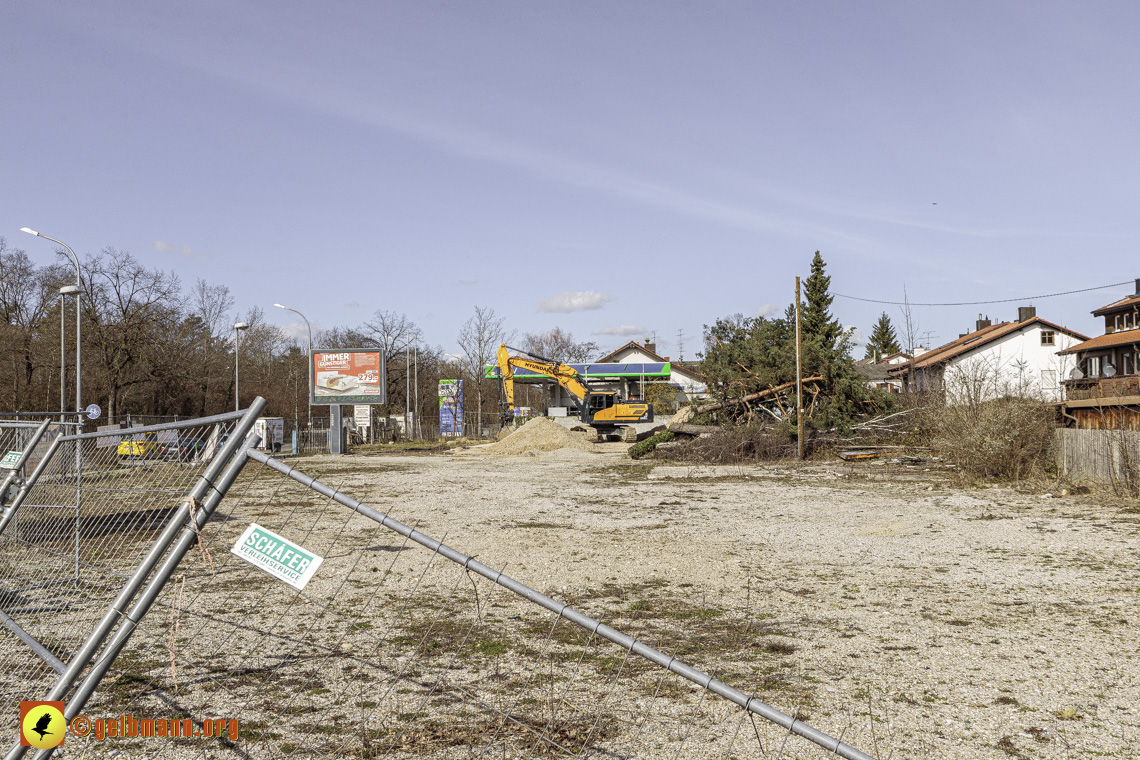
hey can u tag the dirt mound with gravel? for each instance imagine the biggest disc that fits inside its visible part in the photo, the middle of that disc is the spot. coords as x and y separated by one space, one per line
540 434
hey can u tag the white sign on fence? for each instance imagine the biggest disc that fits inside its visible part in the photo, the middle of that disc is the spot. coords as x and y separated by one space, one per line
9 461
277 556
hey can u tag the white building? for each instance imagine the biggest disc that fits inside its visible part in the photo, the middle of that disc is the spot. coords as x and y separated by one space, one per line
690 384
1007 359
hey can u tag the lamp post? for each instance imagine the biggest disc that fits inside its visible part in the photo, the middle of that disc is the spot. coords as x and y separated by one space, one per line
308 360
238 328
78 325
66 290
78 391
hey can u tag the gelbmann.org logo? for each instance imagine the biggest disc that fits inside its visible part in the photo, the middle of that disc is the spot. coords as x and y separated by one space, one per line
42 724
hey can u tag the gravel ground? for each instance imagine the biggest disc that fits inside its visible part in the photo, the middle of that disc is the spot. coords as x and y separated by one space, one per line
914 618
975 623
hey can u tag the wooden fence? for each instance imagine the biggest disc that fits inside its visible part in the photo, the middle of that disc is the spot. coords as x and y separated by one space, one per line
1103 457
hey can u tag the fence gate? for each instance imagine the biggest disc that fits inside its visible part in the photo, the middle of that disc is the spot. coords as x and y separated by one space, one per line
399 646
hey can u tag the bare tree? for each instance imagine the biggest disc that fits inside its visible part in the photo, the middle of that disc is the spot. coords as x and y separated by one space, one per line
559 345
479 339
28 297
132 309
212 303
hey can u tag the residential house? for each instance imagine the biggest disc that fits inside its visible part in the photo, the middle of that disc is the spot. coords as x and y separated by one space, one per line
876 372
995 360
1103 388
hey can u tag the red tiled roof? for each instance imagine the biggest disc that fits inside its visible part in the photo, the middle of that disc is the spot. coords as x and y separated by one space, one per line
976 339
1125 302
1122 338
631 344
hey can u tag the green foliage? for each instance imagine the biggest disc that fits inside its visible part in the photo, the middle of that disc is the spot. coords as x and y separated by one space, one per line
883 341
744 355
663 396
646 447
817 320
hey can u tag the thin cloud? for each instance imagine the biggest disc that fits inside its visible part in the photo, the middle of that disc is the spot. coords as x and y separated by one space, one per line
353 305
622 331
466 283
767 310
571 301
339 100
297 331
183 251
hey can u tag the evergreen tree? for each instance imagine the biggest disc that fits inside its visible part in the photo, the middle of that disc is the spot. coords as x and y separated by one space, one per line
817 319
883 341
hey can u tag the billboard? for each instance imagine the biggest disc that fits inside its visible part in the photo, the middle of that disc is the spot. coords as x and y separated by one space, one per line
347 376
451 408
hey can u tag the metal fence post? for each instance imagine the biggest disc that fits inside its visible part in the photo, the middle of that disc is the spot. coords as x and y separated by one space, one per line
190 534
205 489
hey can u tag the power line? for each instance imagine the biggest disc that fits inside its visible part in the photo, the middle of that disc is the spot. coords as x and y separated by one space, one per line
983 303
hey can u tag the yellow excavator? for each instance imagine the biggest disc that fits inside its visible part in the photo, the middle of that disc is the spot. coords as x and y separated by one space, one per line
602 410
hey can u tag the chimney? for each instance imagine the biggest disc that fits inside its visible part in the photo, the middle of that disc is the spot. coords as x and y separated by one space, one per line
983 322
650 347
1138 286
1025 313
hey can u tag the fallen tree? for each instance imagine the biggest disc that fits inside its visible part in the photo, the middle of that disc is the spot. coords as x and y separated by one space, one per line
771 391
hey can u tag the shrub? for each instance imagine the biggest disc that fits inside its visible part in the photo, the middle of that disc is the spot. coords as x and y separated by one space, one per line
645 448
1006 438
736 445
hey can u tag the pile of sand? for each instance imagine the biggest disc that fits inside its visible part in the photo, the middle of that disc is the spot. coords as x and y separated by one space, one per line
540 434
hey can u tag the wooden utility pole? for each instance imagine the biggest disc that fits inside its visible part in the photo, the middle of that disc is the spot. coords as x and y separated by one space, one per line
799 381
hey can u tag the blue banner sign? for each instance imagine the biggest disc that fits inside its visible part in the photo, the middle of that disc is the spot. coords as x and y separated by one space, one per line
451 408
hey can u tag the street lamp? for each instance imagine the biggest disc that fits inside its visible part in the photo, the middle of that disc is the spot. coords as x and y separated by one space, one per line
238 327
66 290
78 391
308 359
78 327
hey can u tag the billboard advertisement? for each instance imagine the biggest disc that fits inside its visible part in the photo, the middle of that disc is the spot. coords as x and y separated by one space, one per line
451 408
347 376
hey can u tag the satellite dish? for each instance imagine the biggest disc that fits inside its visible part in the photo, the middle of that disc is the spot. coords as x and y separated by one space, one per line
1076 374
1109 370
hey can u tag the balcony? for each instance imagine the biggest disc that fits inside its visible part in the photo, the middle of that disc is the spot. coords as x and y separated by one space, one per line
1102 387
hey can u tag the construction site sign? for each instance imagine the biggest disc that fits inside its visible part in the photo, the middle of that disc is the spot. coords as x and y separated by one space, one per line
10 460
347 376
277 556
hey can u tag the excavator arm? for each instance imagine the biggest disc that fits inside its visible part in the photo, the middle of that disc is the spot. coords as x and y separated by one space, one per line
608 414
563 374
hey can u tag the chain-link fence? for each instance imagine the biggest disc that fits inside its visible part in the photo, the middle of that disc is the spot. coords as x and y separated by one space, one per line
80 537
399 646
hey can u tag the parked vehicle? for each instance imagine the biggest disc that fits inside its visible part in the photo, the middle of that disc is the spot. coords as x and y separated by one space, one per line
146 447
184 449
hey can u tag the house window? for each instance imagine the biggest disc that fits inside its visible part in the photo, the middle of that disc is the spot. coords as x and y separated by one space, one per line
1117 321
1092 366
1126 365
1049 379
1046 337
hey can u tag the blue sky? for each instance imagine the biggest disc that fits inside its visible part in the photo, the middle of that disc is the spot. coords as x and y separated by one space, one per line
609 168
